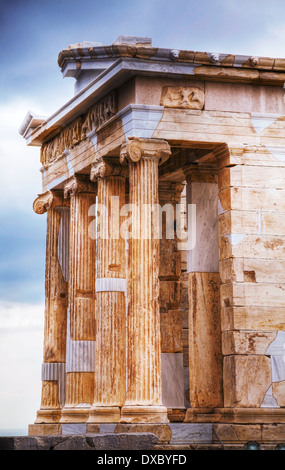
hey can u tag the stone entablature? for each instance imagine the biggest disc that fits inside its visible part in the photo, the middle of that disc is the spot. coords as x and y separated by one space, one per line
76 132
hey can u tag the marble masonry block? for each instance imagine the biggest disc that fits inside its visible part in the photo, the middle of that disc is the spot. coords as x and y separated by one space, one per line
73 428
277 368
186 387
92 428
254 176
277 347
242 97
185 351
183 433
273 432
251 246
184 290
169 295
269 400
171 331
238 222
252 270
170 259
162 431
249 199
252 317
237 432
246 342
172 380
246 380
107 427
248 294
176 415
278 392
133 40
44 429
204 255
185 314
183 260
185 342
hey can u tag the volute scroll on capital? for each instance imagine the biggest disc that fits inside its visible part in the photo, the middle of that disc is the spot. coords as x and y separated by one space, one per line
47 200
103 168
135 149
78 184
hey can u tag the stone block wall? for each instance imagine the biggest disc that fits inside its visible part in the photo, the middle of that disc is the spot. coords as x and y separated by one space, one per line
252 258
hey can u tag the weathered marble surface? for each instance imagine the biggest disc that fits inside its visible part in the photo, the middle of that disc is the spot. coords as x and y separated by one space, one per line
172 380
277 368
205 354
277 347
189 432
107 427
73 428
204 257
269 400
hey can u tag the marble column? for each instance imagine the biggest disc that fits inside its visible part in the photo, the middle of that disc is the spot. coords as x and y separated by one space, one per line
110 367
80 349
53 368
205 355
143 391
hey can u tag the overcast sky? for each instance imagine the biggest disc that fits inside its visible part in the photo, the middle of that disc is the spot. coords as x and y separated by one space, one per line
32 33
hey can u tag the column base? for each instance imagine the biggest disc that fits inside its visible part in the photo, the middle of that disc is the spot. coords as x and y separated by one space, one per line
74 415
235 415
144 414
48 416
104 414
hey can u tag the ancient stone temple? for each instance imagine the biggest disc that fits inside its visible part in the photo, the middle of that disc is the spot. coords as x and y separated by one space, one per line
163 188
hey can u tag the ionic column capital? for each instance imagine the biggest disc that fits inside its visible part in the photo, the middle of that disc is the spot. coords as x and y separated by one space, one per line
47 200
103 168
135 149
78 184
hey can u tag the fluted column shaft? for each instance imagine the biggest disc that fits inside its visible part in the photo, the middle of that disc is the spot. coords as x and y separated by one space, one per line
110 366
81 303
143 400
56 287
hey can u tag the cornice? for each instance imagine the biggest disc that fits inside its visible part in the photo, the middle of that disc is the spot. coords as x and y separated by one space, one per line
119 62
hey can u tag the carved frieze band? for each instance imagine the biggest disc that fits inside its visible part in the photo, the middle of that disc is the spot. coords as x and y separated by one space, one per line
97 115
182 97
135 149
47 200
